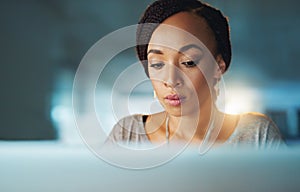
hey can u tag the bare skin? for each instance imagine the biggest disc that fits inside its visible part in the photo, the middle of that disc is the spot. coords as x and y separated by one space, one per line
181 86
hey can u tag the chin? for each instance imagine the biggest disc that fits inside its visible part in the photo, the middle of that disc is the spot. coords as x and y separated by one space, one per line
181 111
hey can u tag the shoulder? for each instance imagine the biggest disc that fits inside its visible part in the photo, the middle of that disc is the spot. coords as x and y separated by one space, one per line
128 128
257 122
260 124
253 118
257 129
132 120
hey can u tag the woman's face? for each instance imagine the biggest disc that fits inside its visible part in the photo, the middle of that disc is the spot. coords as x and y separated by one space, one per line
180 63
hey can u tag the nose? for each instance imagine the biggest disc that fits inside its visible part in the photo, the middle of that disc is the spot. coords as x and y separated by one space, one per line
173 77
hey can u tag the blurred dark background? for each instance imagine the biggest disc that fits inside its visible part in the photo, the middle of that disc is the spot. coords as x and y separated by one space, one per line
43 42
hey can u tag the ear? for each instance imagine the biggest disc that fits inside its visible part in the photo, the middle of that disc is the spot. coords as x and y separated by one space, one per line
221 66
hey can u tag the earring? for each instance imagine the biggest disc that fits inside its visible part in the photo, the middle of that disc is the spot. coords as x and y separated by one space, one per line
217 88
154 94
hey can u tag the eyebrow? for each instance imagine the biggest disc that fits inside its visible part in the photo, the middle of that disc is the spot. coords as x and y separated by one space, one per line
190 46
155 51
182 49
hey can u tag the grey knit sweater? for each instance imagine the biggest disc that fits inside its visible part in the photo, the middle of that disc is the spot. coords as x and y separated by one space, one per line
253 130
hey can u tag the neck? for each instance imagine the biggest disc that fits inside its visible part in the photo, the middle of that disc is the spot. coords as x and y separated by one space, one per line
192 126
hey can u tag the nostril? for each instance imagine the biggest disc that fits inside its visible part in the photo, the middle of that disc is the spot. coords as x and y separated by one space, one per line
171 84
167 84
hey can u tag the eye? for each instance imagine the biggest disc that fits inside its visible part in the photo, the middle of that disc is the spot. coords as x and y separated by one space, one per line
189 63
157 65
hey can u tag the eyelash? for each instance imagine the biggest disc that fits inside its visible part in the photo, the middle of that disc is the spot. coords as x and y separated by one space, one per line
187 64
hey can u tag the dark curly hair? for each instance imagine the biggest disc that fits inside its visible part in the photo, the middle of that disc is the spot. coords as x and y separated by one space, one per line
160 10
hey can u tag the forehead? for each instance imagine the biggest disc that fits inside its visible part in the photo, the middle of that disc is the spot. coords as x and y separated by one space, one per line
182 29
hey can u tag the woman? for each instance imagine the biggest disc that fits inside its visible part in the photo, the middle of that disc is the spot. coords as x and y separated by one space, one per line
178 50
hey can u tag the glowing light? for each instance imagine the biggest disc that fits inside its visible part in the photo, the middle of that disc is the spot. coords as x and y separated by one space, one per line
60 113
241 100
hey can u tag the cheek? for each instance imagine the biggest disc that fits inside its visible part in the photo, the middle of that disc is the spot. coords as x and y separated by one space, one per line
157 86
198 83
196 78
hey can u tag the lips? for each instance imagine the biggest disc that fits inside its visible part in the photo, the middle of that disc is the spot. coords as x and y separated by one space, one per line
174 100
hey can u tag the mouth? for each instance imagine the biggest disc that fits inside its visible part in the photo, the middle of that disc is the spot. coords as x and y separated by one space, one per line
174 100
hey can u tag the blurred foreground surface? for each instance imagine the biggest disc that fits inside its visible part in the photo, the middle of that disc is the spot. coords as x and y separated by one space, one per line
52 166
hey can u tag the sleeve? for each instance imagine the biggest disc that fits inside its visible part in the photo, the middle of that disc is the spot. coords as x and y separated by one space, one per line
273 137
118 133
258 132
